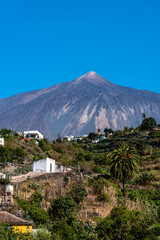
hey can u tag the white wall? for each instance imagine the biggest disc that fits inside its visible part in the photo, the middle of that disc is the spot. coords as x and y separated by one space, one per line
48 162
39 166
2 142
44 165
37 133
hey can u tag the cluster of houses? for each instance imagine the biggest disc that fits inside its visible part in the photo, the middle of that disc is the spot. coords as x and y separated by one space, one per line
73 138
46 165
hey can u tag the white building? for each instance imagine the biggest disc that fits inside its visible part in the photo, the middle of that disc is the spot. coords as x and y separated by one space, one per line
2 142
67 138
2 175
48 165
33 135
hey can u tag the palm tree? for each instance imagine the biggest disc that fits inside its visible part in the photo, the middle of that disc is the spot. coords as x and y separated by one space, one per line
123 163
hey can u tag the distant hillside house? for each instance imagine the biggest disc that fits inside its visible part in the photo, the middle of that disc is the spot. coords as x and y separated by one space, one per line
2 142
2 175
6 195
33 135
6 198
18 224
48 165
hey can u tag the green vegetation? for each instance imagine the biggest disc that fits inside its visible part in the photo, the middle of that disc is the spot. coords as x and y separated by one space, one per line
124 224
78 193
113 192
123 163
148 124
33 208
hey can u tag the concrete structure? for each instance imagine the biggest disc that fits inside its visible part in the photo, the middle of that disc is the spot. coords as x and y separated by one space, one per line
33 135
47 165
2 175
9 188
67 138
6 196
2 142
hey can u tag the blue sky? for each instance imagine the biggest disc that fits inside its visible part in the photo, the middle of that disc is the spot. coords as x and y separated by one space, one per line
43 43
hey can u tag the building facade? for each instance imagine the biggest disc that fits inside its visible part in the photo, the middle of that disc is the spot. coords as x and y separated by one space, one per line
33 135
2 142
47 165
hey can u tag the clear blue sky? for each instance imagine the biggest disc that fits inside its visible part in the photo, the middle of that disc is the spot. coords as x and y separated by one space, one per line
43 43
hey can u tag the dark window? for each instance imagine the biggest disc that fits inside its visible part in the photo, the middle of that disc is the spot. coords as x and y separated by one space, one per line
50 167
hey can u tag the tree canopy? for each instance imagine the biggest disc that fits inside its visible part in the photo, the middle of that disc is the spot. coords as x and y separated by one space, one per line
123 163
148 124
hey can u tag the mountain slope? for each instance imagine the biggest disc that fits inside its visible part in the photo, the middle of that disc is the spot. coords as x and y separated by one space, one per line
78 107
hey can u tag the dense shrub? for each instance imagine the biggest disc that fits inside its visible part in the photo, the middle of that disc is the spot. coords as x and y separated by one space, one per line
78 194
45 145
34 185
143 177
123 224
148 124
63 208
32 209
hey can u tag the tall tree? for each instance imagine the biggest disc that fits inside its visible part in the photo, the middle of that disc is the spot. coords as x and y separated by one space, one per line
123 163
144 115
148 124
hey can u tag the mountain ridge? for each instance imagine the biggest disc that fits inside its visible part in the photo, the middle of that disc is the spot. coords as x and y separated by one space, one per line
78 107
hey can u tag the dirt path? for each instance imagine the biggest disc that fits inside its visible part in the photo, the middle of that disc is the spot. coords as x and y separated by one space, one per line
23 178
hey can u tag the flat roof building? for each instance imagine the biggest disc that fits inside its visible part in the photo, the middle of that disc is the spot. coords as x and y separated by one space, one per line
34 134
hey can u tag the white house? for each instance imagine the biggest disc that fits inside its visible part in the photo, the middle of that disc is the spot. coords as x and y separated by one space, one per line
48 165
2 142
33 135
2 175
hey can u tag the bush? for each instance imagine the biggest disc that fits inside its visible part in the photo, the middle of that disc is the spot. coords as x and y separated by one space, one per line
148 124
19 155
66 179
98 184
100 160
98 169
143 177
39 215
45 145
93 136
103 197
78 194
123 224
36 199
32 209
34 185
63 208
4 181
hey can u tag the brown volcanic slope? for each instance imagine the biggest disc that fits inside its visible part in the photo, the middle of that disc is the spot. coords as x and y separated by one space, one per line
78 107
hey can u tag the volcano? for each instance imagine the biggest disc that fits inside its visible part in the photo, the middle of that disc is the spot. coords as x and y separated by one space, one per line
78 107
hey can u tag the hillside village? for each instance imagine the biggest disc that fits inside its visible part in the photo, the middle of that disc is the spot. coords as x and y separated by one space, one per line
47 186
